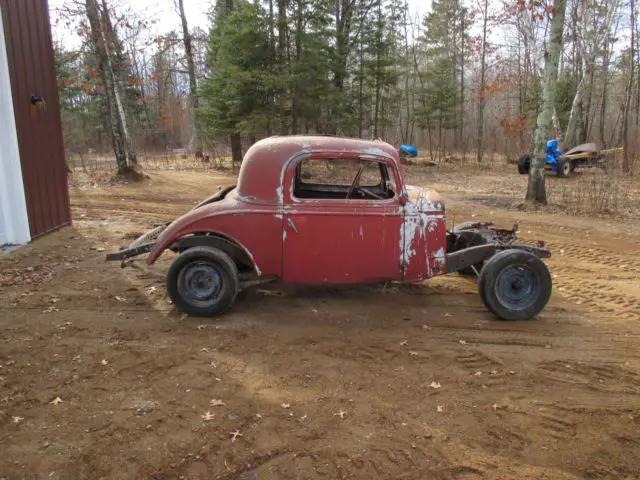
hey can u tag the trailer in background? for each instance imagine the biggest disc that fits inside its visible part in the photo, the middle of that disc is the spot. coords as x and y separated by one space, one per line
587 155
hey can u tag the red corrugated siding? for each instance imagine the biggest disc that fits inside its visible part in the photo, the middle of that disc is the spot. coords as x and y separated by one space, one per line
32 72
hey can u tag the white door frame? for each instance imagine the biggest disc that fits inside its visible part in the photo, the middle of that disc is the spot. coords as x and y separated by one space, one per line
14 220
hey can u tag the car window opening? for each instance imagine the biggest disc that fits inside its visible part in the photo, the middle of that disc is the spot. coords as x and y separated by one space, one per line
343 179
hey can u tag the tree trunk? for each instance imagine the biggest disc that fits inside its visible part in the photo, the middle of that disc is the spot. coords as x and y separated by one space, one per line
378 71
125 157
536 191
575 117
236 149
587 124
462 79
360 87
480 134
296 87
193 86
282 38
626 165
605 78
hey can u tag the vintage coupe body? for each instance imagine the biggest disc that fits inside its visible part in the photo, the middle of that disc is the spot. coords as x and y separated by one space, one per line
327 210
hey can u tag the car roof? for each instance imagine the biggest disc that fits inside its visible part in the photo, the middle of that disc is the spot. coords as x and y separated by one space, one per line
261 173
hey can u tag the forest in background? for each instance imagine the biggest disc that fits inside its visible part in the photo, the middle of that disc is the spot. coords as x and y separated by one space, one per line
464 81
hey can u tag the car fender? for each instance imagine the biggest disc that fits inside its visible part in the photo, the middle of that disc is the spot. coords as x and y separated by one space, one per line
189 224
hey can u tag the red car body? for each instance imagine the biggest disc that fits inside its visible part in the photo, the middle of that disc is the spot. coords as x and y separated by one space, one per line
275 224
318 241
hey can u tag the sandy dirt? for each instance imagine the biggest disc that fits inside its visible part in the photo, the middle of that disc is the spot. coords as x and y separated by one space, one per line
100 378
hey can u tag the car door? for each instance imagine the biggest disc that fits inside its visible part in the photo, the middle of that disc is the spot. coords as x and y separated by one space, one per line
328 239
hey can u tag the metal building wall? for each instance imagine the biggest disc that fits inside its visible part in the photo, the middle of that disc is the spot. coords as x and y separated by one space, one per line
33 74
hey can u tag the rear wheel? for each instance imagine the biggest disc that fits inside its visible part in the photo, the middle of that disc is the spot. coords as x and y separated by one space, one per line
524 164
564 167
515 285
203 282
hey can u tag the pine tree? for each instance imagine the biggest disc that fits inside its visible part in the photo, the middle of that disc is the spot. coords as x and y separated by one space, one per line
237 94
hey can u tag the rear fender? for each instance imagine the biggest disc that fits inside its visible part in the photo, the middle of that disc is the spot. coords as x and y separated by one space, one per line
233 248
236 250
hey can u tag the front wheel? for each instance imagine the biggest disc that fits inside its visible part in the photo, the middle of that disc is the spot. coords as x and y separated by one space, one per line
515 285
203 282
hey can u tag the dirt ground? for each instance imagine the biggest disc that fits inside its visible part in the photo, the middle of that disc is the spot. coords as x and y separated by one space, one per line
100 378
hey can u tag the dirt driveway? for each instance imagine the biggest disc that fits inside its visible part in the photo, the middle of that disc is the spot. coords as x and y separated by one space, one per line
99 378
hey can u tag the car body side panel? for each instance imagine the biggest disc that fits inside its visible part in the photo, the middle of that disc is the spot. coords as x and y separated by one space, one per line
256 228
341 244
341 241
424 235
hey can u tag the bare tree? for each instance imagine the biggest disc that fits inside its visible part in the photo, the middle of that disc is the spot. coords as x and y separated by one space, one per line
483 67
193 85
592 29
627 102
536 191
122 147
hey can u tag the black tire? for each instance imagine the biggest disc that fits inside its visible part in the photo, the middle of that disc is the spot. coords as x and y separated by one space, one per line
515 285
203 282
524 164
564 167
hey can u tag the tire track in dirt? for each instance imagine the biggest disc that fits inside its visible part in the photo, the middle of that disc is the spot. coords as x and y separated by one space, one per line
604 279
600 377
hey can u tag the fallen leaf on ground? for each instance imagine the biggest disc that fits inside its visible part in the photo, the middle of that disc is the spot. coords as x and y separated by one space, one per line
426 327
17 419
207 417
340 414
235 435
478 373
446 315
204 349
413 354
404 343
462 342
120 299
434 385
285 405
201 327
440 408
103 362
497 406
56 401
51 309
216 403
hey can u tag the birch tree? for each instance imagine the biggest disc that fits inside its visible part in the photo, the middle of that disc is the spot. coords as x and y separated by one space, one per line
100 29
591 31
536 191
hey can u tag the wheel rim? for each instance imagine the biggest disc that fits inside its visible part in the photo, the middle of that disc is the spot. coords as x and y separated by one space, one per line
200 284
566 168
517 287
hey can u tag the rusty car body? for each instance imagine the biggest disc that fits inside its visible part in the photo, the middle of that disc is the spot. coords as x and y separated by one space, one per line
278 222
